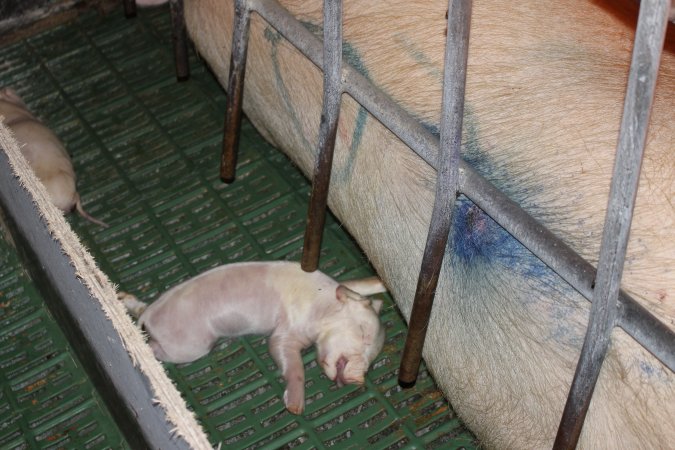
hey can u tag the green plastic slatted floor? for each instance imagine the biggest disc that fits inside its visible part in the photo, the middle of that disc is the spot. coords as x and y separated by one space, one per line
46 400
146 150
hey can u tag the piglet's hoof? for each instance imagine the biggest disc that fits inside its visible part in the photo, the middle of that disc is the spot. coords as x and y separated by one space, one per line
293 405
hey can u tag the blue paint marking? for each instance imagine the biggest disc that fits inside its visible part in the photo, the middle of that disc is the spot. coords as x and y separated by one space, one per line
655 372
274 38
349 52
477 242
478 239
475 235
353 58
482 162
271 35
418 55
564 330
359 127
647 368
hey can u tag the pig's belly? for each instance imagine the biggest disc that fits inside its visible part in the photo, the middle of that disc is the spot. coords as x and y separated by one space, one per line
544 98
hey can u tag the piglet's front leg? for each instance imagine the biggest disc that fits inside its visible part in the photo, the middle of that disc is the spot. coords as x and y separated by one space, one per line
285 351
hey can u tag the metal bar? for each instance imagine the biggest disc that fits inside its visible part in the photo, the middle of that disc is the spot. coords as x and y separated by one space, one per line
579 273
129 8
649 39
235 90
447 186
332 92
179 38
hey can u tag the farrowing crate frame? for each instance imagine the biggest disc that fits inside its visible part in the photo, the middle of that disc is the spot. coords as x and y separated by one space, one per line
610 306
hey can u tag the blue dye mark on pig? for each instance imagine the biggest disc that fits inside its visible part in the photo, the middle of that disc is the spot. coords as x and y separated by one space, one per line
647 368
352 57
486 258
475 235
274 38
653 371
473 152
478 239
349 53
417 54
483 254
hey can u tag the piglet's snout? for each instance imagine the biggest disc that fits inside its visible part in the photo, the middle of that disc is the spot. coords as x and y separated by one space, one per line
340 378
340 367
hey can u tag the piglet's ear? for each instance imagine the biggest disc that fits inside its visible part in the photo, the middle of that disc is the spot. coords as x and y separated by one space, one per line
377 305
11 95
344 294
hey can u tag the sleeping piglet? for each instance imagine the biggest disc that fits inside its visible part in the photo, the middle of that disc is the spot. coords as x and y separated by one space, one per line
296 308
44 152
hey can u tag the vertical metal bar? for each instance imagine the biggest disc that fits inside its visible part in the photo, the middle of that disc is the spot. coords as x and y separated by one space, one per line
179 38
332 92
649 39
129 8
447 185
235 90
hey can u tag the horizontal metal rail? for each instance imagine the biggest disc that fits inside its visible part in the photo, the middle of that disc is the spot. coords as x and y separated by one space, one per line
633 318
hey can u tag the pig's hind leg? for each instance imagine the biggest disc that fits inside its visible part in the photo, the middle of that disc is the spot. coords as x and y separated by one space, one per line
285 351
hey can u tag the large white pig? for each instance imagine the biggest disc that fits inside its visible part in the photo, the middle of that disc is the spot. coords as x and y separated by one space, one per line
545 91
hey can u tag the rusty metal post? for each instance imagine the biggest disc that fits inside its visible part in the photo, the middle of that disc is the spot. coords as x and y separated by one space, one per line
649 39
129 8
447 186
179 38
235 90
330 114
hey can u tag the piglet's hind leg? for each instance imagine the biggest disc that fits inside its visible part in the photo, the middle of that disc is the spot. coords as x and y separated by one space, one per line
159 351
286 354
133 304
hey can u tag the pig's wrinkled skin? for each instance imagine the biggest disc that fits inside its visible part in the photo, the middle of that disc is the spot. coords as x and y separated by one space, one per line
545 90
44 152
273 298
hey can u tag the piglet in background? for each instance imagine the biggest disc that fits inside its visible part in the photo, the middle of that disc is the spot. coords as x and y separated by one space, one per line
296 308
44 152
